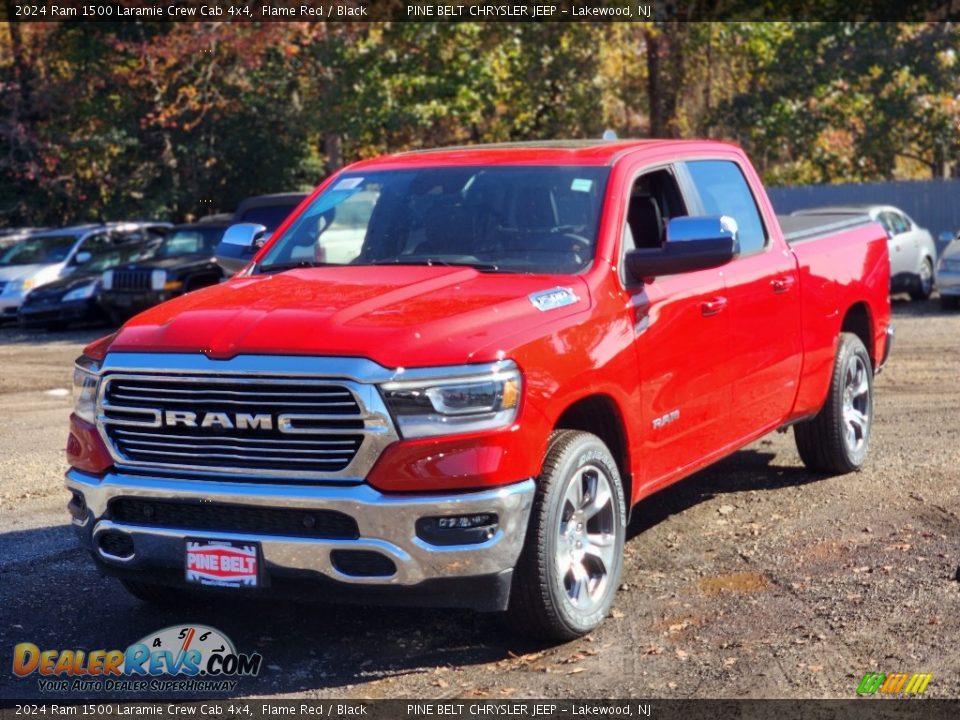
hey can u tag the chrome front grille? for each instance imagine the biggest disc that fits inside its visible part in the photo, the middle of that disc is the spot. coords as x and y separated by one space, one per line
131 280
306 428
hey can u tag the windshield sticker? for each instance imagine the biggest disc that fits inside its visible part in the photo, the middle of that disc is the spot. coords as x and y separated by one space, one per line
552 299
581 185
348 183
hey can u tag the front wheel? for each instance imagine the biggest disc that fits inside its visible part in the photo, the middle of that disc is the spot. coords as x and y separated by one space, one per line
837 439
569 569
924 282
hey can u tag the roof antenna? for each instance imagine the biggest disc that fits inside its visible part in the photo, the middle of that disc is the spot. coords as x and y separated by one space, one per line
609 134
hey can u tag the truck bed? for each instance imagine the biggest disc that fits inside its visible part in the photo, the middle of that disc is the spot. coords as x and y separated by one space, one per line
801 228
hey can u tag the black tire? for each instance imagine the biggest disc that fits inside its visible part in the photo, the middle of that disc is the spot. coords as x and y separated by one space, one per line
836 441
162 595
540 599
923 286
949 302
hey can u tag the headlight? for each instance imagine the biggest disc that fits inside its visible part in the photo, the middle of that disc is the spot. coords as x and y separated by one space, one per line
158 278
22 286
85 382
456 405
81 293
107 280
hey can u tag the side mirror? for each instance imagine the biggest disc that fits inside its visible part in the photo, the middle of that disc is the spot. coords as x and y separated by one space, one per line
238 246
693 243
82 258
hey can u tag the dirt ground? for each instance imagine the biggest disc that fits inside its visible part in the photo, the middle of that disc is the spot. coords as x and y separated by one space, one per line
752 579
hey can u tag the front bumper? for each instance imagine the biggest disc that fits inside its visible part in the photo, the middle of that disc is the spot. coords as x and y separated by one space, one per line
10 303
387 525
32 314
129 303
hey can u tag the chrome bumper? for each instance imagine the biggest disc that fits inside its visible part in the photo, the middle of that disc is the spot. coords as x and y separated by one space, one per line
387 524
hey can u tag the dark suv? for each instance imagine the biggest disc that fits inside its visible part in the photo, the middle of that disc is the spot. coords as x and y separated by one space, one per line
183 262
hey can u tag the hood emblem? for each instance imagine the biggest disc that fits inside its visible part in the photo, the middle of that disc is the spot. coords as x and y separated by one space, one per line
554 298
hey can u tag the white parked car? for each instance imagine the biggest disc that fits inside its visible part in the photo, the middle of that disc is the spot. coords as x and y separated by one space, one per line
44 257
913 252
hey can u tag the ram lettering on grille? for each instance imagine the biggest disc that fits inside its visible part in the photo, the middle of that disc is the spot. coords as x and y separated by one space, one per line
302 427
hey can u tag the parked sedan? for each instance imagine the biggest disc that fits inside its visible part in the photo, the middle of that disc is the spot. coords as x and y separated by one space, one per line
948 275
183 262
75 298
54 254
913 252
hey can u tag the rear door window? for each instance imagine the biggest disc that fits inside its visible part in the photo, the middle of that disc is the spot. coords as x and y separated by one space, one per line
900 224
723 190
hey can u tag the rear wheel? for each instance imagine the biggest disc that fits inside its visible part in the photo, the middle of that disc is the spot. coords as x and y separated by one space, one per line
837 439
569 570
924 283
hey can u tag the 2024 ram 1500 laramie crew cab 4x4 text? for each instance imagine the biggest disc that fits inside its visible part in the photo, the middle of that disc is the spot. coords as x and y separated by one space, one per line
449 376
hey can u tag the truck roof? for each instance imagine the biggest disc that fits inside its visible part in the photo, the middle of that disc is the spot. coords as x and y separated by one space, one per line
541 152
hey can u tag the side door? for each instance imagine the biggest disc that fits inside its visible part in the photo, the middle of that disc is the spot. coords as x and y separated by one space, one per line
901 264
762 288
681 337
909 236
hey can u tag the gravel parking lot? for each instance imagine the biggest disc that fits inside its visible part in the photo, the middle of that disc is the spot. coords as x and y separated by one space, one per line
755 578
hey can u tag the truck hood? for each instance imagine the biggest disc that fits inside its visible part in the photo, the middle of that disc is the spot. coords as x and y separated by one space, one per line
403 316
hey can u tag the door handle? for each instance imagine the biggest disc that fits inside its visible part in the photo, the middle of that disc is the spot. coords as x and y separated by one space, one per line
713 306
782 284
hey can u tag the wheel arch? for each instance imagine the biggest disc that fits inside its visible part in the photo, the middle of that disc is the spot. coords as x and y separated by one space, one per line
859 320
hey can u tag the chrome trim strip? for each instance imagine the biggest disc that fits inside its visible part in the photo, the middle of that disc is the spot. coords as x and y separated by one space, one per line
386 524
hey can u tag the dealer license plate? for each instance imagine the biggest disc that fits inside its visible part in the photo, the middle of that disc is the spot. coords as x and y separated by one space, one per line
222 563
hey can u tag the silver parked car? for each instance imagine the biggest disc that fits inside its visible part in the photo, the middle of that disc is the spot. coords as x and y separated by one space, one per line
44 257
948 275
913 252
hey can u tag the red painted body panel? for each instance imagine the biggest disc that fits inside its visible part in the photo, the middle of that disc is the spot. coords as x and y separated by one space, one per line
647 350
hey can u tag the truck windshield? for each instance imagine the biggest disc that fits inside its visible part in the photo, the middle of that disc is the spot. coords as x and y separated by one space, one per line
523 219
39 250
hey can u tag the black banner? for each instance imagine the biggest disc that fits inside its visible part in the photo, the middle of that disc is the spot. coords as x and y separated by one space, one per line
485 709
474 10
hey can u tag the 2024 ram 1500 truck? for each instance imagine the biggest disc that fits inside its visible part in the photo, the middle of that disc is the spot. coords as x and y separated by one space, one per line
514 346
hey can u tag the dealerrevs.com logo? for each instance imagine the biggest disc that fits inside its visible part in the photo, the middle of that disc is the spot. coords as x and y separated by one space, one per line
180 658
898 683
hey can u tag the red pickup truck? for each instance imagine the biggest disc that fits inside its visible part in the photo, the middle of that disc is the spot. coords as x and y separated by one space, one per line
449 376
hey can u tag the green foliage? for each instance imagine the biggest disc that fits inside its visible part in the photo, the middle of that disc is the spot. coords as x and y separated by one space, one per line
170 120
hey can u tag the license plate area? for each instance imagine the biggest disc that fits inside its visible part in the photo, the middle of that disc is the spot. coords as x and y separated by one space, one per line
222 563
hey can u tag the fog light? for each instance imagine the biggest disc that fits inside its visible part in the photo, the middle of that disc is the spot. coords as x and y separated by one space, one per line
77 506
458 529
464 521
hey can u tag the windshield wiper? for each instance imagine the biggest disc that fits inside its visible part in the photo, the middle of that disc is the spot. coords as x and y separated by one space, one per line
283 267
481 266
